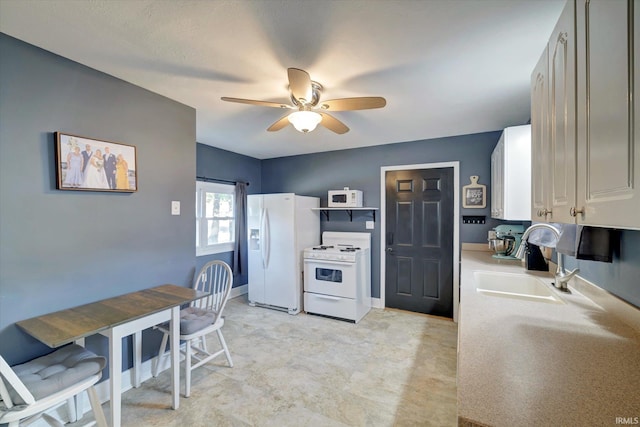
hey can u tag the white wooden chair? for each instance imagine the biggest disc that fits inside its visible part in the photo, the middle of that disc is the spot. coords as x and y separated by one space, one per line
29 389
201 318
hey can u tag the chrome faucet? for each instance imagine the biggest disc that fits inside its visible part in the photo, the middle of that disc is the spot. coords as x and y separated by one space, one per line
561 276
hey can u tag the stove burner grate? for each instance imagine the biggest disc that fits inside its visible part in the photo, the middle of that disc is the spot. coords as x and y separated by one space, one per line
322 248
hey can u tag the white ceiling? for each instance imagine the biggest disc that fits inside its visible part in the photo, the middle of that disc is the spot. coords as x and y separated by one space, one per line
446 67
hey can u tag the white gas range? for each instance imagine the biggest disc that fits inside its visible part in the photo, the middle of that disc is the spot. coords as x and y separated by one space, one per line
337 276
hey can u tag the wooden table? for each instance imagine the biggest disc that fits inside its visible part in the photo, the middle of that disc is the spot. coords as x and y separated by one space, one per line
117 318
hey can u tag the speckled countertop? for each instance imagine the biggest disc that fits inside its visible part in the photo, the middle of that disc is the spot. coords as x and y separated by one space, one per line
530 363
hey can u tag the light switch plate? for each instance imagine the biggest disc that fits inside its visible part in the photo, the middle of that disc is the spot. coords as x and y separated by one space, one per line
175 208
370 225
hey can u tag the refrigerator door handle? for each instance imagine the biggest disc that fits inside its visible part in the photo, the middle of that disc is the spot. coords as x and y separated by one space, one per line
267 239
262 238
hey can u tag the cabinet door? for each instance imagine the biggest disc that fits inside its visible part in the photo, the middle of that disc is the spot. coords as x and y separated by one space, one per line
494 184
562 112
497 180
540 156
516 173
608 156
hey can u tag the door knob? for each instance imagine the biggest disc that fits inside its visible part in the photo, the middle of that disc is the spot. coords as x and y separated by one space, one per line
389 250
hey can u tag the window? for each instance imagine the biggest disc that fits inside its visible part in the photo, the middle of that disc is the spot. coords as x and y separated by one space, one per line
215 218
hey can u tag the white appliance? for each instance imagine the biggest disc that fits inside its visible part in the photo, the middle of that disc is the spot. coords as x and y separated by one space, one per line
338 276
344 198
279 227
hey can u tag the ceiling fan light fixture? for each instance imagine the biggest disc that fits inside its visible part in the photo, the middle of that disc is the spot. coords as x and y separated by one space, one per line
305 121
307 110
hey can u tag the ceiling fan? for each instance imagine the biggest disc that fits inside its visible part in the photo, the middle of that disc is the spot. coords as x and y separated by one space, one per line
310 111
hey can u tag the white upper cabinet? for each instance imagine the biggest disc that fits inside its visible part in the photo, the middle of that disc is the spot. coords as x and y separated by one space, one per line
511 175
586 161
608 154
562 108
497 180
553 111
540 169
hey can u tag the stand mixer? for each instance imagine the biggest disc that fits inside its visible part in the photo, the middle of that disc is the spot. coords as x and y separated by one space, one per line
505 240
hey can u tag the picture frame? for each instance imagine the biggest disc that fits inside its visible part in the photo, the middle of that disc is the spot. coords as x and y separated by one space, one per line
90 164
474 195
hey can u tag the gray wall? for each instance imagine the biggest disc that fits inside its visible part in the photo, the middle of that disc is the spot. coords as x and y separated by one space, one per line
64 248
216 163
314 174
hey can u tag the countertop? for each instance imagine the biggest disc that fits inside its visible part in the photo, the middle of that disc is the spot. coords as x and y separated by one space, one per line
530 363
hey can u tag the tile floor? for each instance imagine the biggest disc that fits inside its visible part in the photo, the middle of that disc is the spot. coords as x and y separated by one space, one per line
394 368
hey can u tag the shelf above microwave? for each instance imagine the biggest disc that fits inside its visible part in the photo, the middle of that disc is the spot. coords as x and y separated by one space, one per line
349 211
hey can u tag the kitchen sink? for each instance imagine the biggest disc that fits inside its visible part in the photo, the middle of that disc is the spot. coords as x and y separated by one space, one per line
517 286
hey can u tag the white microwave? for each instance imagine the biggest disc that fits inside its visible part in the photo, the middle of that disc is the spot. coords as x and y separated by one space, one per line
345 198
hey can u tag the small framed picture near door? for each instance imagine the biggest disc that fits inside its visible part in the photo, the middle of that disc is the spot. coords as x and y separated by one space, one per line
474 195
88 164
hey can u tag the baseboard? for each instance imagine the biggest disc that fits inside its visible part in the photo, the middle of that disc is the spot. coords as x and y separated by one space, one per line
127 382
376 303
239 290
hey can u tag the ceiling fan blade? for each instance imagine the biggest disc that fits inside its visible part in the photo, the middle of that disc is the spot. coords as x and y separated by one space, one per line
254 102
345 104
333 124
281 123
300 85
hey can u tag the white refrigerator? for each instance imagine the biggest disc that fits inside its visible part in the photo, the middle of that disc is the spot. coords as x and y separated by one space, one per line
279 228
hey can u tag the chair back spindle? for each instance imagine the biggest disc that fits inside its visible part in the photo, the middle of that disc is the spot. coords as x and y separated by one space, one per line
215 278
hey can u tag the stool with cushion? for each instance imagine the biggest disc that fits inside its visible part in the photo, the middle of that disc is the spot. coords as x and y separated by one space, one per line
202 317
29 389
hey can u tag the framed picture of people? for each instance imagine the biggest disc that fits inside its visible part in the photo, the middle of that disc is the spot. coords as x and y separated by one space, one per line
89 164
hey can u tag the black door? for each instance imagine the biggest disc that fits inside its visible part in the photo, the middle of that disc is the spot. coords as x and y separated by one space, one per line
419 240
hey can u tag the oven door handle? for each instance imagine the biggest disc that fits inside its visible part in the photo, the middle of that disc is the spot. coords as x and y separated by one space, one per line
329 297
328 262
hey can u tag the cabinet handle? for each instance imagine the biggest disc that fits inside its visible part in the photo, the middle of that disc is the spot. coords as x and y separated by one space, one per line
574 212
544 212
